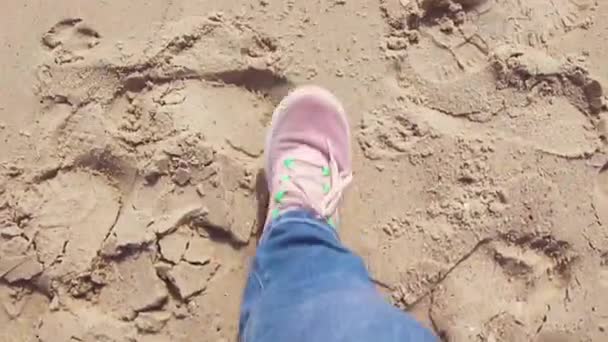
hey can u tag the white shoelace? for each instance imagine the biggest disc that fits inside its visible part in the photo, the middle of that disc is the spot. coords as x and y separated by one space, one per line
298 195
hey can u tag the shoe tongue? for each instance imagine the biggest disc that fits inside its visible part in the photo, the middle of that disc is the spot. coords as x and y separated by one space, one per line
303 174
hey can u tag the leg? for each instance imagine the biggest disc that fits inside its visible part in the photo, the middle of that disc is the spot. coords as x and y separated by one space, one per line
305 286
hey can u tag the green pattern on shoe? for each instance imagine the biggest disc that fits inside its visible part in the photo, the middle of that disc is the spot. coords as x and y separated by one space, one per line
289 163
279 196
275 213
326 171
326 188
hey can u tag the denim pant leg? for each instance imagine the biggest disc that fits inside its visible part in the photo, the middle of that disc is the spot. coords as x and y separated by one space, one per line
305 286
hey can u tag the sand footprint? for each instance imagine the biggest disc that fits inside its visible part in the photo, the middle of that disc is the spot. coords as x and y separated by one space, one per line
241 59
443 62
456 43
511 95
447 50
520 273
69 39
70 216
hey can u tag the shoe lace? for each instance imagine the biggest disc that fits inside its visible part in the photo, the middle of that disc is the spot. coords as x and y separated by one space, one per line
303 175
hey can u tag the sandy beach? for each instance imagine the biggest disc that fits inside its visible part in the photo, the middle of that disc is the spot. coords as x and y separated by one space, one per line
132 139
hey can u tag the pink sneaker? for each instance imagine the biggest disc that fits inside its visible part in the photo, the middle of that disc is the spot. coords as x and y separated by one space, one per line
308 157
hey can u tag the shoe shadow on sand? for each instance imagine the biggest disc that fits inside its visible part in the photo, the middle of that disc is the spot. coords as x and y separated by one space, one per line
262 198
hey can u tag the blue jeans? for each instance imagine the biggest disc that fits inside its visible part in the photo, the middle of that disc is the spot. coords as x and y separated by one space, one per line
304 286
